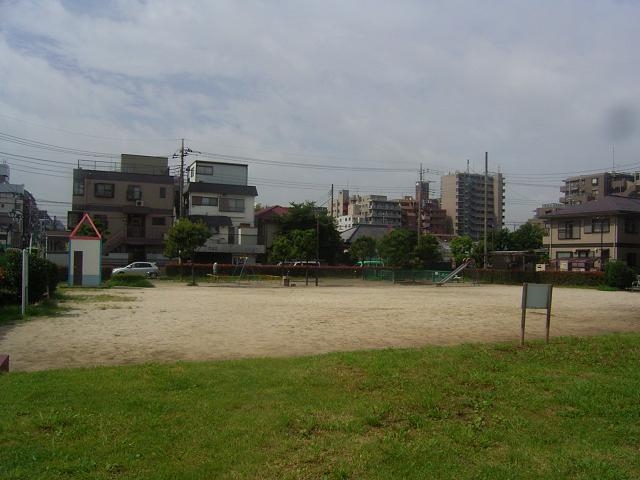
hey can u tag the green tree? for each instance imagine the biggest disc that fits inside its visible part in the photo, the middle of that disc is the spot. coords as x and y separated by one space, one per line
528 237
397 247
183 239
427 251
461 248
363 248
618 274
86 230
501 240
306 216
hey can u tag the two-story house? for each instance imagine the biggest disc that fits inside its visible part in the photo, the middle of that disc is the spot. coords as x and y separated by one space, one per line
218 194
133 204
590 234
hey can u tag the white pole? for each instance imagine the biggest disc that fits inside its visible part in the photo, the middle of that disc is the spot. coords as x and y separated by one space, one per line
25 280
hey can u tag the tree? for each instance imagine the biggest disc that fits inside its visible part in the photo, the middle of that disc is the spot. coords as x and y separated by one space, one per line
528 237
462 248
86 230
397 247
363 248
307 217
183 239
427 251
501 240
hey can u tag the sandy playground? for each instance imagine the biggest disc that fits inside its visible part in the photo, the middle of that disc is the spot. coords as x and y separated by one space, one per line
213 321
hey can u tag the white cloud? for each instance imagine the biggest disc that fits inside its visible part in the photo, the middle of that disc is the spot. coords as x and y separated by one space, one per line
358 83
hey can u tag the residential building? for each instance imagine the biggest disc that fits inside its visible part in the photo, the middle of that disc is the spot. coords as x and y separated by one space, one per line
134 204
463 198
591 233
11 215
367 209
217 193
586 188
268 228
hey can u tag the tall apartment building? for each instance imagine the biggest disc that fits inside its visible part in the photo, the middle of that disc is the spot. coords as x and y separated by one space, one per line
218 194
586 188
11 210
366 209
463 198
134 203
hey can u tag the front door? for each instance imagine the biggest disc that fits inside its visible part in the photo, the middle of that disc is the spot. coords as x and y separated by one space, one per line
77 267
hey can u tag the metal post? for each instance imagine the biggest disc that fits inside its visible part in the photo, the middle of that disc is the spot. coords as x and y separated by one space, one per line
181 186
25 280
486 173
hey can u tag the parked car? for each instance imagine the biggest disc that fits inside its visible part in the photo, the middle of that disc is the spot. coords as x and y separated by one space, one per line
138 268
309 263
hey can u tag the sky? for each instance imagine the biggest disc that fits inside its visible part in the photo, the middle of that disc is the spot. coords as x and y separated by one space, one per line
309 94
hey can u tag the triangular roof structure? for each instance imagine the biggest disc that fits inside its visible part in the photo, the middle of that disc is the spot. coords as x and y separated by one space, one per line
607 205
87 218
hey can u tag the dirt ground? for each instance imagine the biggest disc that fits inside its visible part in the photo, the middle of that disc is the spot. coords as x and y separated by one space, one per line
214 321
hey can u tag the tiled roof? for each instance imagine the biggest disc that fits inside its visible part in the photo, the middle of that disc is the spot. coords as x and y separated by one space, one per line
609 204
269 212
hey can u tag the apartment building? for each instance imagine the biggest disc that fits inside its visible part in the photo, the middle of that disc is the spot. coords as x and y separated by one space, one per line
134 203
218 194
366 209
589 234
463 198
11 210
586 188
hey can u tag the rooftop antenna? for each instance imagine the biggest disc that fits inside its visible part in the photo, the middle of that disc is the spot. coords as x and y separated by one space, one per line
467 165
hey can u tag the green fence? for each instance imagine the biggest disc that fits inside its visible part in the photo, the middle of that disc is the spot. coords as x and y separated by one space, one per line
405 276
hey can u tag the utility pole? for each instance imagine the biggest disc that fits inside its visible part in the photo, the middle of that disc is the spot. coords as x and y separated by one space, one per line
332 200
419 201
181 187
486 175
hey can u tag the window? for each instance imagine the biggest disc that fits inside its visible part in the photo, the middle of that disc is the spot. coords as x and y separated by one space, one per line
163 192
208 201
134 192
630 225
158 221
103 190
568 230
564 255
597 225
232 204
594 181
632 259
204 169
78 187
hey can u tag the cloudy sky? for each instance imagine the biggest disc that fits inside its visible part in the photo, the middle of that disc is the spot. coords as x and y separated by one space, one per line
357 94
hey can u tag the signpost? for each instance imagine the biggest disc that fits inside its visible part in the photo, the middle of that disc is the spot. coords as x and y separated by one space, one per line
536 295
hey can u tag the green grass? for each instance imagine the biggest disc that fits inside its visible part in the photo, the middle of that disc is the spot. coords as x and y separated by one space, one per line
567 410
49 307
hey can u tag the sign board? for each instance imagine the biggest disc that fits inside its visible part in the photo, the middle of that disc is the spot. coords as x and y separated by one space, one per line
536 296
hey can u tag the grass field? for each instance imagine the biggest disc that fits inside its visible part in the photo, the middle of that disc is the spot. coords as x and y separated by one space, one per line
570 409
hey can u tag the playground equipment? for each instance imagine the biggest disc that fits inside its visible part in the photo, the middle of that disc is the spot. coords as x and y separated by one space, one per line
455 273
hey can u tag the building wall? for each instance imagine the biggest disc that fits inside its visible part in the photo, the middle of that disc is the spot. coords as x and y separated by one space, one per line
463 199
91 261
585 188
223 173
245 217
144 164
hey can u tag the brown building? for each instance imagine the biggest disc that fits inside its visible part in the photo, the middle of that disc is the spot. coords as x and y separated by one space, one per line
586 188
594 232
134 205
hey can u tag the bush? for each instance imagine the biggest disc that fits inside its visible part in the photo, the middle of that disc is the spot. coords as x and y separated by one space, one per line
129 281
43 277
619 275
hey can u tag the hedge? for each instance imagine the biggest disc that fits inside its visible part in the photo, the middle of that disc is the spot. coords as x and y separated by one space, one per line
203 269
511 277
43 277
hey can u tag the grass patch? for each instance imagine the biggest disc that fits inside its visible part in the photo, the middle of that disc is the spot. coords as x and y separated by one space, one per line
129 281
566 410
46 308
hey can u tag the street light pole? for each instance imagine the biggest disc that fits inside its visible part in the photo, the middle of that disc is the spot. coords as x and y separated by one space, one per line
601 244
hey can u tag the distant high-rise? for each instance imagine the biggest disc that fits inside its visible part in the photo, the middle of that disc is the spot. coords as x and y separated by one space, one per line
585 188
463 197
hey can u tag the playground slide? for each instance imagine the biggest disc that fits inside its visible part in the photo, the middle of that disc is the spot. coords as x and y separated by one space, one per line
453 274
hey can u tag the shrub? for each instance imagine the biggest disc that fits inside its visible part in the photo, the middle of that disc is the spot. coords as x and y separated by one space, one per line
129 281
618 274
43 277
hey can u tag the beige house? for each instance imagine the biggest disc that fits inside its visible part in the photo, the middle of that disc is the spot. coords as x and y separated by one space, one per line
134 203
586 236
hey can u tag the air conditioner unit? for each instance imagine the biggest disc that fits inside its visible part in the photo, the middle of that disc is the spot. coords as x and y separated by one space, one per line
139 203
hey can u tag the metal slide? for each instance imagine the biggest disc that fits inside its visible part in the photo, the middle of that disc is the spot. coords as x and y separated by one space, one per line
454 273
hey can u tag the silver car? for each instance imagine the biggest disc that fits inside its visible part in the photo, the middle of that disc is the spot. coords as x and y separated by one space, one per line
138 268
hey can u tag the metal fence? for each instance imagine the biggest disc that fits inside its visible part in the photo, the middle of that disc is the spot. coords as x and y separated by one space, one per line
404 276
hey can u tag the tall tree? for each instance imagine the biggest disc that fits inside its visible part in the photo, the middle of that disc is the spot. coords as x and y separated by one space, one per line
307 217
462 248
183 239
397 247
528 237
427 251
363 248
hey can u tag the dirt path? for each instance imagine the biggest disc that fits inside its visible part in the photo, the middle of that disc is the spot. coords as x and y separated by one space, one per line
174 322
